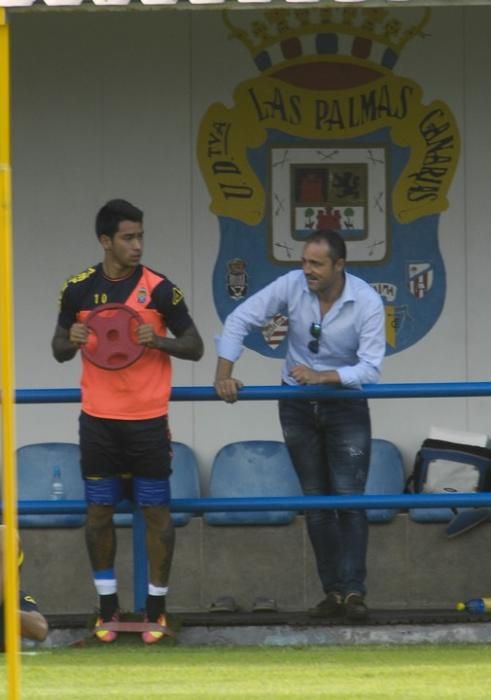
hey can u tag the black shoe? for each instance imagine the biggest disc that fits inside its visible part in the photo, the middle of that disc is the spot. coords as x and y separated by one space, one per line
355 607
331 606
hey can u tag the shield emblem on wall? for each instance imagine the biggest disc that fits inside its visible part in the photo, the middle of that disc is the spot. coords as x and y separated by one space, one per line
328 136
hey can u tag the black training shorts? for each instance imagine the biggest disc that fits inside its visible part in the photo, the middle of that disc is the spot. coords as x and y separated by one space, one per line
136 447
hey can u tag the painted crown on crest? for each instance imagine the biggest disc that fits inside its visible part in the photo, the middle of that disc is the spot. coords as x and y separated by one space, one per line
378 34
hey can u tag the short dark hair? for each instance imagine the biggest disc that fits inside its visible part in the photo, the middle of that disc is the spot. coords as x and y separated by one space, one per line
337 246
111 214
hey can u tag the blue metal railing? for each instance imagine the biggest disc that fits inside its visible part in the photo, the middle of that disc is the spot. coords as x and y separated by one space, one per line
210 505
258 393
302 503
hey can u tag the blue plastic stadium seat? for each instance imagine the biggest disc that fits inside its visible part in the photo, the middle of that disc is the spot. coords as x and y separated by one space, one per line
253 468
431 515
385 476
35 466
184 483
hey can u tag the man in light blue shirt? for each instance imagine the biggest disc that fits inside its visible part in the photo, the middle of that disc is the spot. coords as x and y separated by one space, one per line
336 336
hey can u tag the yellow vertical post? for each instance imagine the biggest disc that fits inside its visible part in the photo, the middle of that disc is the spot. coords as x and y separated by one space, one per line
7 374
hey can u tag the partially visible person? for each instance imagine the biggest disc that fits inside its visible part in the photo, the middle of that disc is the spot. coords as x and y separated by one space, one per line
33 624
336 337
124 430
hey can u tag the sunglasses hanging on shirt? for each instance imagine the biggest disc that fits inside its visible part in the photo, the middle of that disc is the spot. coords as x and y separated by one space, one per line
315 332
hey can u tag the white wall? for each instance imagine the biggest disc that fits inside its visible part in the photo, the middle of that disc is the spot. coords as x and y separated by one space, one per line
108 104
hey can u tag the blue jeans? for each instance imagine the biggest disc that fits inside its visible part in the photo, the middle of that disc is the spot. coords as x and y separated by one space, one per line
329 444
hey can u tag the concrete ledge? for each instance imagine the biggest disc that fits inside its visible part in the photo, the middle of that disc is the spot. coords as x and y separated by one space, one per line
283 635
334 636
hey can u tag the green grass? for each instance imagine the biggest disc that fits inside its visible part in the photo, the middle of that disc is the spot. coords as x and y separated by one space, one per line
426 672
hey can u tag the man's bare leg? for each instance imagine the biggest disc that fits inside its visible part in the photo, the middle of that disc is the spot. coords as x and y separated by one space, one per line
160 541
100 537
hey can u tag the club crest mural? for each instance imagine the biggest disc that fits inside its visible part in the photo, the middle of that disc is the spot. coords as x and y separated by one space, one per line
329 136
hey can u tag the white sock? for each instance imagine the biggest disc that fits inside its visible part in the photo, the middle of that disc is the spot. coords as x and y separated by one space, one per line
157 590
105 586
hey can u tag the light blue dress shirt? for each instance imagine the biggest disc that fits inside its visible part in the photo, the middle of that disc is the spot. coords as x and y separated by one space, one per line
352 340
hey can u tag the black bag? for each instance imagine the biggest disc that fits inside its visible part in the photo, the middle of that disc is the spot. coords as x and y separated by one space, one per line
441 466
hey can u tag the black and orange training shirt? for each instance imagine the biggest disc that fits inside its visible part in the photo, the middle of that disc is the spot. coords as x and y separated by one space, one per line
141 390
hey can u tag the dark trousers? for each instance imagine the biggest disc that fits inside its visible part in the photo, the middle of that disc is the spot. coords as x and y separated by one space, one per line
329 444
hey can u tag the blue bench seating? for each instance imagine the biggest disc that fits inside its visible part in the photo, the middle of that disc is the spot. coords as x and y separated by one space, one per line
35 469
255 468
252 468
36 464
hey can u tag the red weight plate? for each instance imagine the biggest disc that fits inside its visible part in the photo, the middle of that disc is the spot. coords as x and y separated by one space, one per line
113 344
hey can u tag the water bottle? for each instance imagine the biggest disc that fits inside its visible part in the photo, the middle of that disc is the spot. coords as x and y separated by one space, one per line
477 606
57 488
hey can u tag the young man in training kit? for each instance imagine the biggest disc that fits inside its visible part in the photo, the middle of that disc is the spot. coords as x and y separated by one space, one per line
124 429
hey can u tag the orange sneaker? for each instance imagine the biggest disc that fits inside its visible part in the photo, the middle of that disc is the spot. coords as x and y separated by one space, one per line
105 635
155 635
